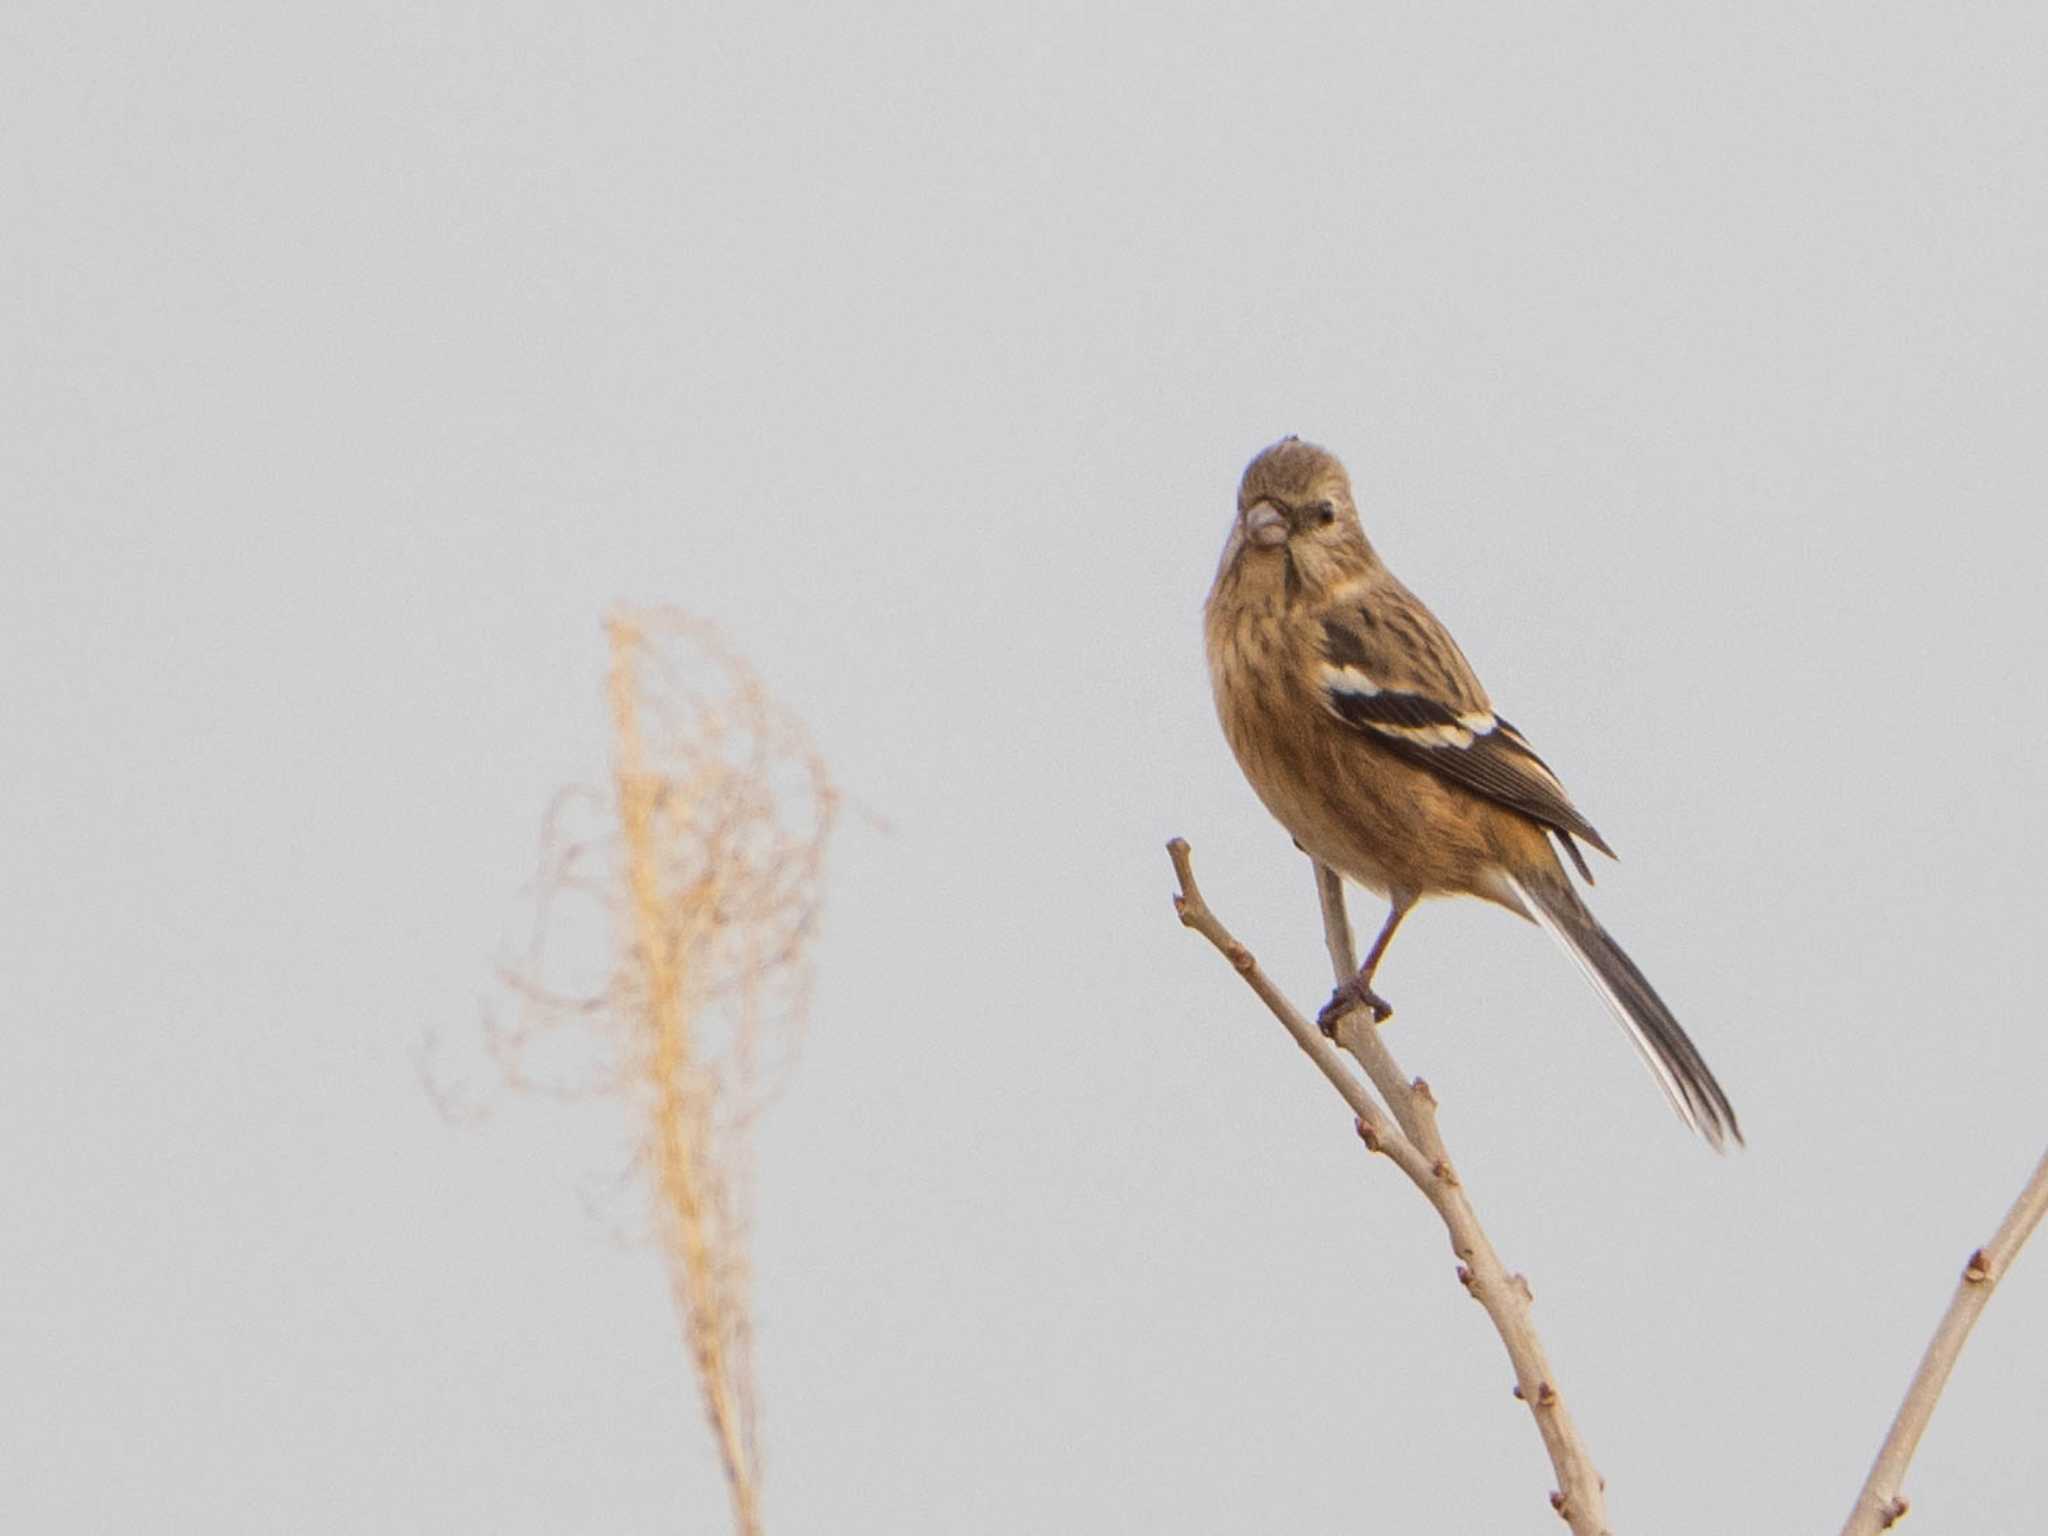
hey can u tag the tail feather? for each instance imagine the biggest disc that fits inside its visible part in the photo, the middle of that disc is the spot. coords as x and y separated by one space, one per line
1671 1056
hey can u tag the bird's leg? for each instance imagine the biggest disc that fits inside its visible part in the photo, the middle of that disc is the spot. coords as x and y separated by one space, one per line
1358 992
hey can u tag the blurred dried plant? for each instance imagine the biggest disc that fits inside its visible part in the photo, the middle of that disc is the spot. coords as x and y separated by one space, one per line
687 893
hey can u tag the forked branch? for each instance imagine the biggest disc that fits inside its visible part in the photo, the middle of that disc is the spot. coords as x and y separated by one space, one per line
1401 1123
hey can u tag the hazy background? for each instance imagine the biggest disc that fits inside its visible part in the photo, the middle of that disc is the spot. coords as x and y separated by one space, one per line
356 358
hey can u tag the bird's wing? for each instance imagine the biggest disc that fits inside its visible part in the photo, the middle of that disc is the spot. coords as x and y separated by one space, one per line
1392 671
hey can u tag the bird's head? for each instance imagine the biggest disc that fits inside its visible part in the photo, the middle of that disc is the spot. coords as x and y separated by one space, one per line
1296 521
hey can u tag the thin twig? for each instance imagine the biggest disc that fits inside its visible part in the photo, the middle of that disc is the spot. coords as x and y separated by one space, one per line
1364 1043
1879 1505
1406 1131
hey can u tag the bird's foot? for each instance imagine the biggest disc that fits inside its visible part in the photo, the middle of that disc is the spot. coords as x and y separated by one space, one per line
1353 994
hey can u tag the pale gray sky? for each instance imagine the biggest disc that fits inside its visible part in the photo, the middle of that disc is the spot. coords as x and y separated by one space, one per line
1689 361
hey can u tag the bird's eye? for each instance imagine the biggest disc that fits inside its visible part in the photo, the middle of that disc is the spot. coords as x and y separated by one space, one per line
1326 513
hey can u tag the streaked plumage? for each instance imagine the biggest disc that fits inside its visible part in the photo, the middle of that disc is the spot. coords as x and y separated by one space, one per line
1366 733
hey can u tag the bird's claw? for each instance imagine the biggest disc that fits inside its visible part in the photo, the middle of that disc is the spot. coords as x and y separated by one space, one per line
1352 994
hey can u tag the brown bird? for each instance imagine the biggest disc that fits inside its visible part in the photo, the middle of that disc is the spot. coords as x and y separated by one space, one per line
1364 730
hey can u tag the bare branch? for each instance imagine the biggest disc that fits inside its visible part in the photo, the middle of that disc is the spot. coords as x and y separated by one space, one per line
1879 1504
1373 1124
1406 1130
1581 1498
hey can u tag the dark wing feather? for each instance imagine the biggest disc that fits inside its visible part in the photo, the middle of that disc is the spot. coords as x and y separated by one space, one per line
1393 672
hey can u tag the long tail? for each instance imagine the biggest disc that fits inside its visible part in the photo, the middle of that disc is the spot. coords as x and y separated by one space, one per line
1671 1056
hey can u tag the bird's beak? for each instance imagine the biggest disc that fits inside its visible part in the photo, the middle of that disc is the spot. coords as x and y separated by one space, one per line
1266 526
